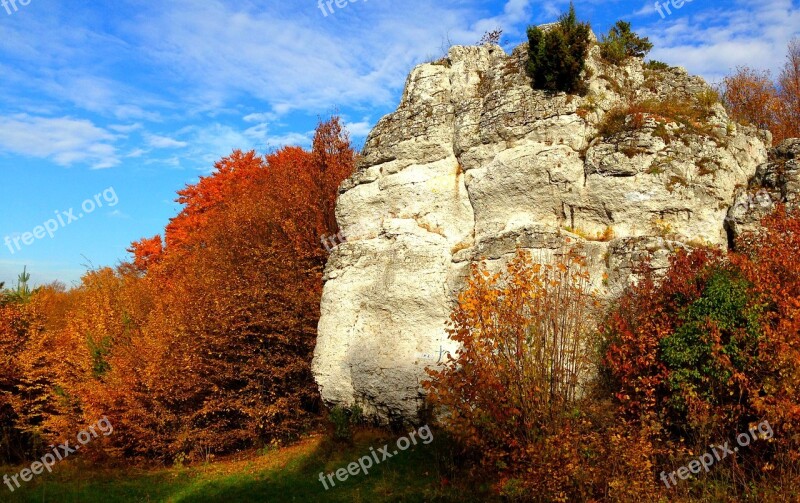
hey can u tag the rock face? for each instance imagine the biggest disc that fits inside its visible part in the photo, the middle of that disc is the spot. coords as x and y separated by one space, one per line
474 164
776 182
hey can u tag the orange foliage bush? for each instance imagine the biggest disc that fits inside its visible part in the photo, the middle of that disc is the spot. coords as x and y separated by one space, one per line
524 350
769 260
518 394
41 362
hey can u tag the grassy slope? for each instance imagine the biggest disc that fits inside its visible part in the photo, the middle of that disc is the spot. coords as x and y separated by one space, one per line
288 474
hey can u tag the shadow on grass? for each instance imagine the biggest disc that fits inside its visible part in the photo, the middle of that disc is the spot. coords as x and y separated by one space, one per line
420 474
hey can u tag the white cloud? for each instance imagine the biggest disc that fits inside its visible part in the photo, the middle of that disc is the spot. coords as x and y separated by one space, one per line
514 18
60 55
199 60
119 214
260 117
125 128
259 61
293 58
136 153
647 9
359 129
290 139
158 141
64 140
714 41
210 143
128 111
258 132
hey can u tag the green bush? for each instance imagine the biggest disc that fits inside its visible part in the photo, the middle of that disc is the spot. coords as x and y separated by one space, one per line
721 321
656 65
558 56
343 420
621 43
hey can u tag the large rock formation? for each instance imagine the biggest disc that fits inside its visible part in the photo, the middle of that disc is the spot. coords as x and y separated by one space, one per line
475 163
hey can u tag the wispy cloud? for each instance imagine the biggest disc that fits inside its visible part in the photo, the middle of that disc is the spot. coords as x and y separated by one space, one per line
713 40
261 117
125 128
119 214
301 61
136 153
359 129
63 140
302 139
246 70
158 141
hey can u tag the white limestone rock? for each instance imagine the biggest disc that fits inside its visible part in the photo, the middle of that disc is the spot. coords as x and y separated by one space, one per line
475 163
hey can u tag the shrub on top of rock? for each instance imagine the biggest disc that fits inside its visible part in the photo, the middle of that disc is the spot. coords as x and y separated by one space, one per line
656 65
621 43
491 37
558 54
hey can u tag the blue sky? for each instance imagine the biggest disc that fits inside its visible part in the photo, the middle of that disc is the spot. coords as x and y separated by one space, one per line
141 97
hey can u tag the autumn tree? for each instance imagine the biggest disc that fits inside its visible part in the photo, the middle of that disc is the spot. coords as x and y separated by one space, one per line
525 353
203 343
14 443
789 93
222 360
65 356
752 97
333 161
245 307
30 366
200 199
146 253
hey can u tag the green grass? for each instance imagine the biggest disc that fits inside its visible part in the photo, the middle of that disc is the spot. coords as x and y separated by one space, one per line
289 474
